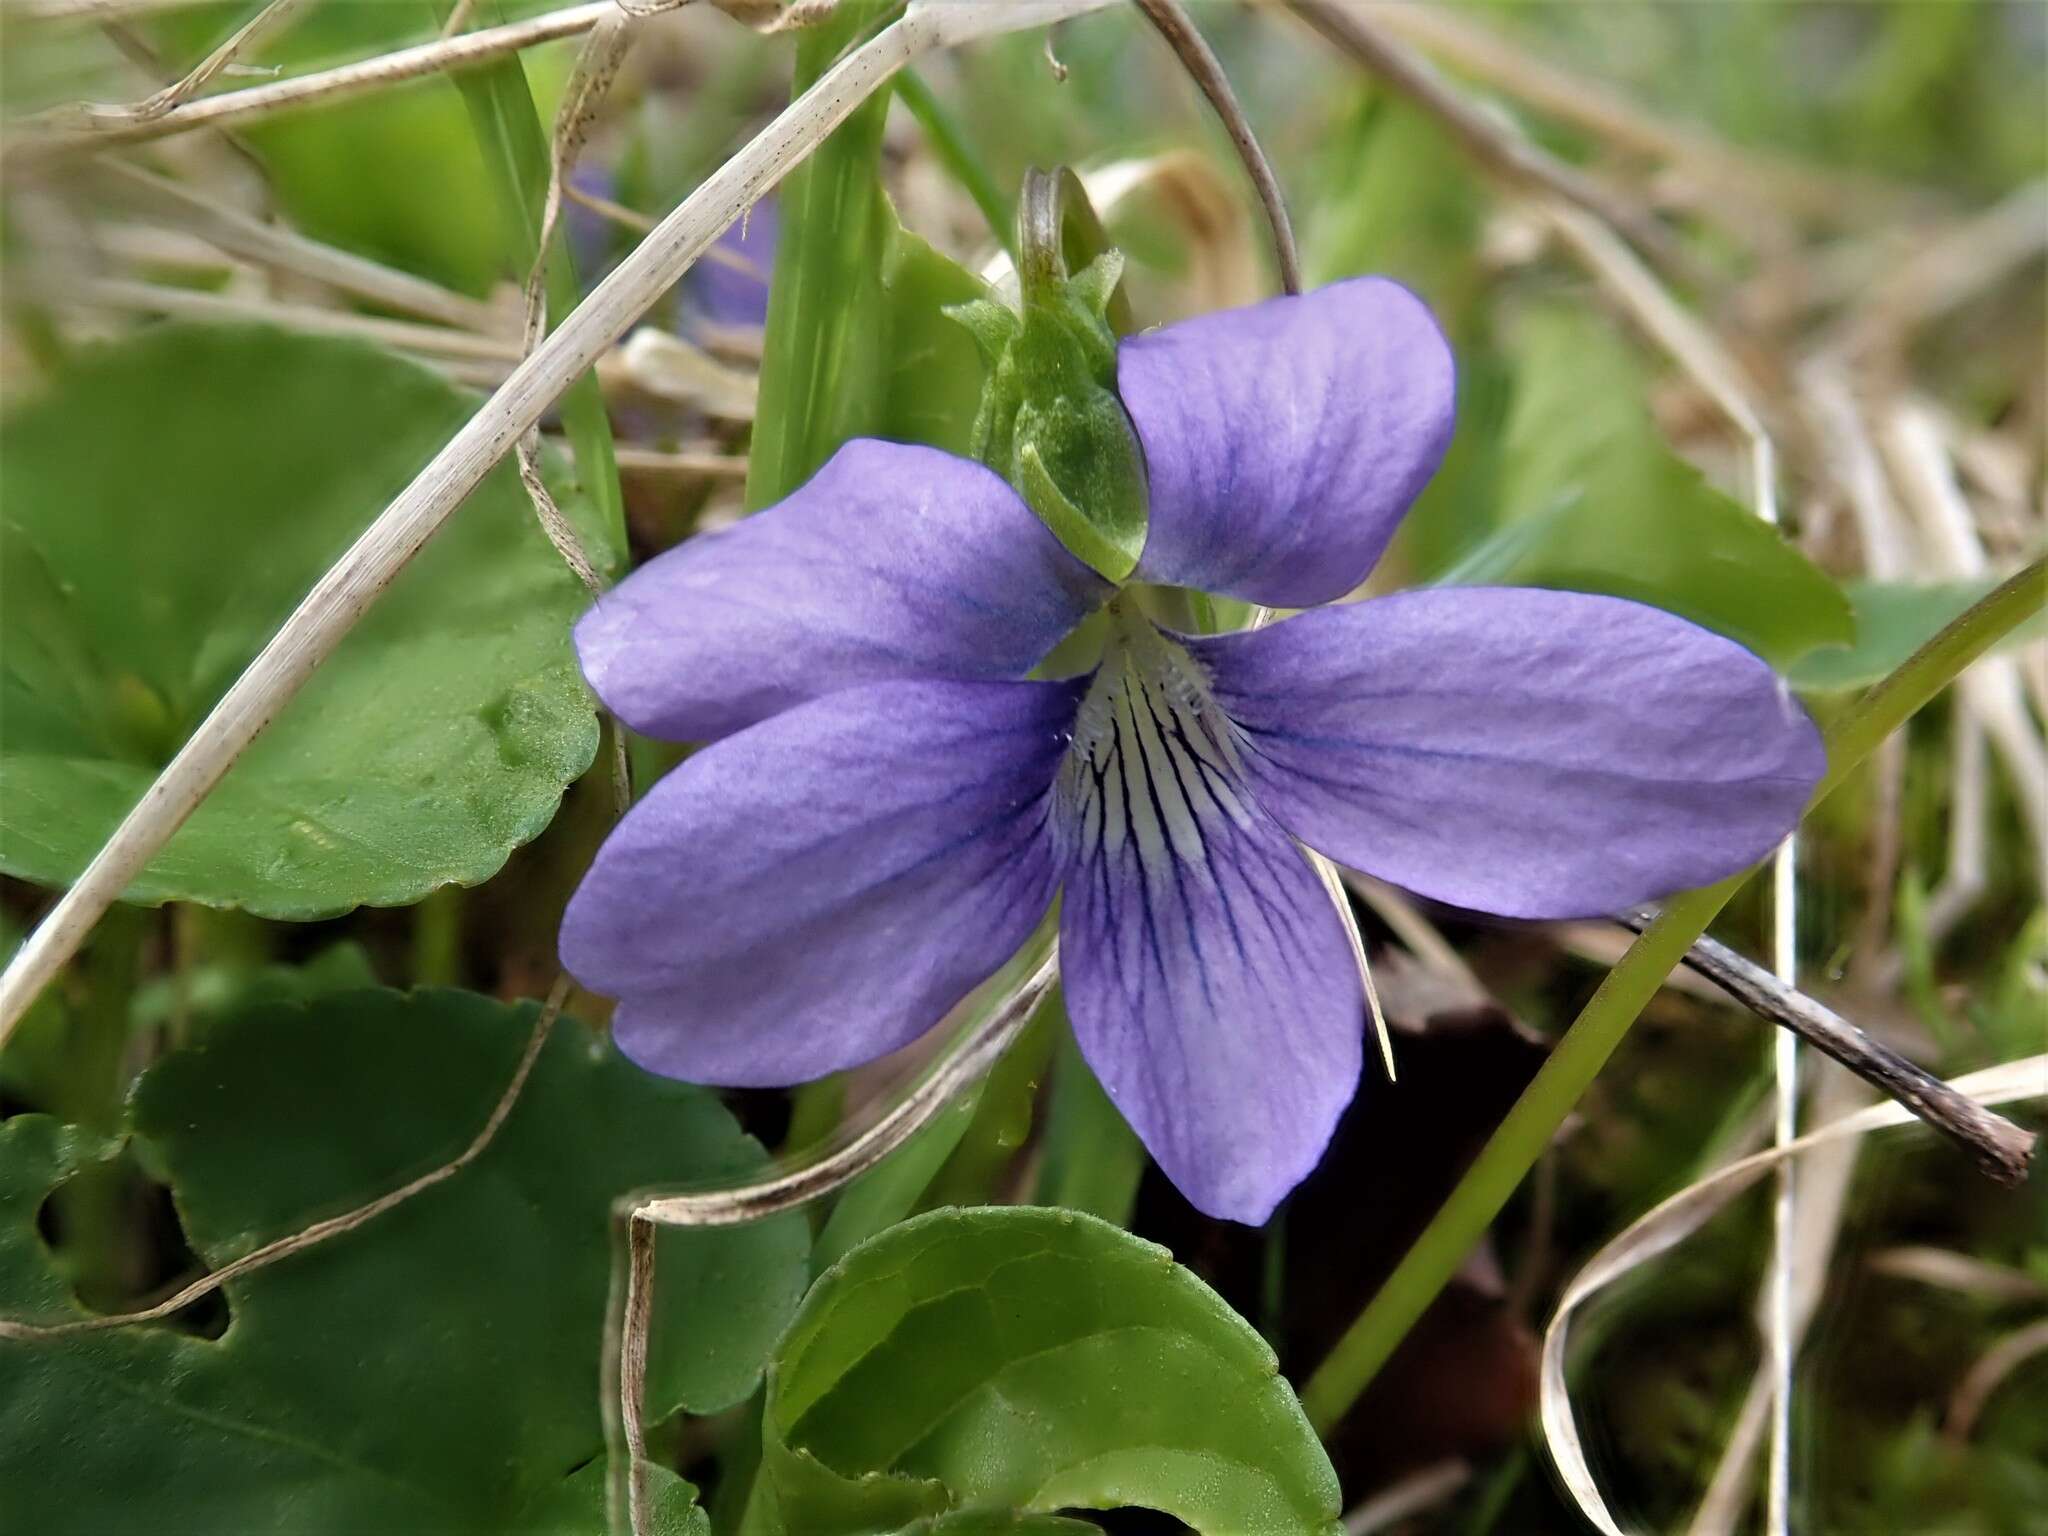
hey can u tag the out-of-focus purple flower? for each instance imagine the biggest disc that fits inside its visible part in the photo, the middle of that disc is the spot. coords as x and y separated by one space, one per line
729 287
889 809
593 239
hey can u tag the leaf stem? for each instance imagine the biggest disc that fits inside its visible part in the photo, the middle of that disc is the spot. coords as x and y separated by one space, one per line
1532 1123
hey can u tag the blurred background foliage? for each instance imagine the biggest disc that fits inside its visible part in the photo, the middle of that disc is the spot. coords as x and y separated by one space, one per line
1854 193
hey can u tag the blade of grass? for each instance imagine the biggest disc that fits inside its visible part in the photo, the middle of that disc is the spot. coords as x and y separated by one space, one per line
957 154
1532 1123
820 355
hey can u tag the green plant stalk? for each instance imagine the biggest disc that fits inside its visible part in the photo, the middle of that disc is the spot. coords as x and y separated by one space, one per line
519 162
91 1206
821 351
950 143
437 936
1532 1123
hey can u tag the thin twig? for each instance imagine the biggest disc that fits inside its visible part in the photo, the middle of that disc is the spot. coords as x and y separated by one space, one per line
1489 138
681 464
197 304
1966 1405
1823 1200
285 250
1964 1273
49 137
597 65
2001 1148
333 1226
1593 105
818 1173
604 207
1206 70
1422 1489
261 27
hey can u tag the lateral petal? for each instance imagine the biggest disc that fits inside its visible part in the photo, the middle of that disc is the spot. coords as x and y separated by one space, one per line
819 890
1530 753
892 562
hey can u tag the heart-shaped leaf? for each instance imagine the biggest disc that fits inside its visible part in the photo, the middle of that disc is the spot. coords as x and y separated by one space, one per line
1893 620
1021 1361
1599 503
169 501
435 1370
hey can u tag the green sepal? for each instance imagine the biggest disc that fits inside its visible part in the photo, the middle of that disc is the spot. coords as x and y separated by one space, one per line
1050 421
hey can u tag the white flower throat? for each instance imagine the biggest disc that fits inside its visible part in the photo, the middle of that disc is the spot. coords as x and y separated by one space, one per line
1154 757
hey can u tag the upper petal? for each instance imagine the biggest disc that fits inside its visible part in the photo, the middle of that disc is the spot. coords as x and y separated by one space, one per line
819 890
893 561
1530 753
1211 985
1284 441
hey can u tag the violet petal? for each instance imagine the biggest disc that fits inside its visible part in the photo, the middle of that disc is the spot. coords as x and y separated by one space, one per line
1529 753
1284 441
819 890
1210 982
891 562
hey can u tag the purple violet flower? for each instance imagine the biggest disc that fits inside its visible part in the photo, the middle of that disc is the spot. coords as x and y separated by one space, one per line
889 808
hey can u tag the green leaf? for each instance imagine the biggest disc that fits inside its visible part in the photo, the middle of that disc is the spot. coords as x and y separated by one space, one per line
1018 1360
1893 620
1400 199
436 1370
932 371
1599 503
169 501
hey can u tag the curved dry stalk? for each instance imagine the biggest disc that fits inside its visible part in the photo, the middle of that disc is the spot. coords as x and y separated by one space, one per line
265 24
1991 1369
819 1172
1401 1502
340 598
333 1226
1945 1269
597 65
433 341
281 249
1676 1218
52 138
1489 138
1476 49
1206 70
